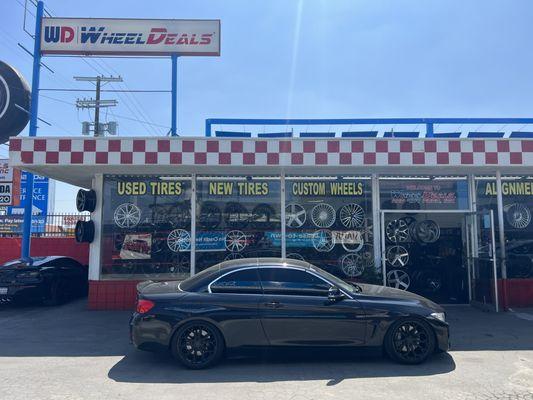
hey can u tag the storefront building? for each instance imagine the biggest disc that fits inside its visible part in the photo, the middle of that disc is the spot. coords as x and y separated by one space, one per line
447 218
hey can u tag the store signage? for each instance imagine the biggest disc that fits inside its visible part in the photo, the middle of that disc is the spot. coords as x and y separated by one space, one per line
41 191
514 188
12 224
6 172
9 184
6 194
154 188
238 188
323 188
146 37
210 241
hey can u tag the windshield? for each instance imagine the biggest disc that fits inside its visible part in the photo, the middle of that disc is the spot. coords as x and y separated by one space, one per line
337 281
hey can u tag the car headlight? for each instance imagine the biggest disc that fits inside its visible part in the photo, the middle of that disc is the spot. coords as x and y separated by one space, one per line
29 275
439 315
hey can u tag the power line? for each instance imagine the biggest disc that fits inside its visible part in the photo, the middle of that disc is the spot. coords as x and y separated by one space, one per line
105 90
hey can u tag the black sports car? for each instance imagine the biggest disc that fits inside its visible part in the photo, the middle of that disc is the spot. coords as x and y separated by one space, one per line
254 303
51 280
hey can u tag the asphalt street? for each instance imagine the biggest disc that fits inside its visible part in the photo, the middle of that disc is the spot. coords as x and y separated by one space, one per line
68 352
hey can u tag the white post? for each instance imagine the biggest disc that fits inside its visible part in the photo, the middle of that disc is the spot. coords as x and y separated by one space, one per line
95 247
193 224
282 216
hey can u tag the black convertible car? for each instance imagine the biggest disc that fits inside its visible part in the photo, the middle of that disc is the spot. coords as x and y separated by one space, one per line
51 280
262 302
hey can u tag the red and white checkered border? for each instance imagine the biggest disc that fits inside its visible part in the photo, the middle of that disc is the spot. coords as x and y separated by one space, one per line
270 152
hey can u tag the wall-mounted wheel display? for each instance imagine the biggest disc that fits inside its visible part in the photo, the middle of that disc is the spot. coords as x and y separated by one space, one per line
127 215
323 240
398 279
84 231
352 215
295 256
323 215
86 200
295 215
397 256
176 215
263 217
236 215
236 241
367 254
352 265
397 230
210 215
426 231
518 215
179 240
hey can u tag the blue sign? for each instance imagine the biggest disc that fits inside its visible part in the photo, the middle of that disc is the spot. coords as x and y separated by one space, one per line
210 241
294 239
40 195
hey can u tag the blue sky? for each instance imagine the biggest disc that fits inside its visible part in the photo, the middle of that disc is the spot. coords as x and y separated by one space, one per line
301 59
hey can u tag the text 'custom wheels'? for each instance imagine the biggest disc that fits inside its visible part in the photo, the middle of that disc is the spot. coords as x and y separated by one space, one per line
410 341
198 345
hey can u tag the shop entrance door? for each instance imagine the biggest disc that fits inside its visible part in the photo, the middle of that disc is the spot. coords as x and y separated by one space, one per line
482 261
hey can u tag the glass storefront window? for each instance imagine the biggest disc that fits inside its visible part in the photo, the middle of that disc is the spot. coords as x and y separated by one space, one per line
146 227
237 218
329 223
424 193
517 194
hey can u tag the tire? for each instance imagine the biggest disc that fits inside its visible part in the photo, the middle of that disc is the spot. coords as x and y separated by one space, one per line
398 330
14 90
179 345
84 231
86 200
55 297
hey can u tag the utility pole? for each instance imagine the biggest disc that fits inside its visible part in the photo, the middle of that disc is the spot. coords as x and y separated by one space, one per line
97 103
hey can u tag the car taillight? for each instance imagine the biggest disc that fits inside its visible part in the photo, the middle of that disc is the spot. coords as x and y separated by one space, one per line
143 306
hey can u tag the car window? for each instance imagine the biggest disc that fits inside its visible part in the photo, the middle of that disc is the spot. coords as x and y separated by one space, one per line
243 281
288 281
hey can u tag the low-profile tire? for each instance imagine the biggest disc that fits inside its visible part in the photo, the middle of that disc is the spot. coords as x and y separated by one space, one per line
410 341
86 200
202 351
84 231
55 296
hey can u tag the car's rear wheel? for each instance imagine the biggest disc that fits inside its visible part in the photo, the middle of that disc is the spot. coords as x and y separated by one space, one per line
410 341
198 345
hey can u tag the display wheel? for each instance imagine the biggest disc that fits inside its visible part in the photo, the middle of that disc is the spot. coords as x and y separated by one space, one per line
398 279
367 230
127 215
352 265
409 220
233 256
84 231
210 215
295 256
397 256
236 215
179 240
367 254
180 215
264 217
236 241
180 266
426 231
323 240
352 241
397 230
86 200
295 215
323 215
518 215
352 216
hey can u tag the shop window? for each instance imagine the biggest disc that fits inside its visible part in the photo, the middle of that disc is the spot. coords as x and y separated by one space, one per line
517 194
329 224
146 227
237 218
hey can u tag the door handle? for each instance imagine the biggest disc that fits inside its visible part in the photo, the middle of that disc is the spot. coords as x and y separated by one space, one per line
273 304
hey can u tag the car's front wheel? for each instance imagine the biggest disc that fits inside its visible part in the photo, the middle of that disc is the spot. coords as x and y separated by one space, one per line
410 341
198 345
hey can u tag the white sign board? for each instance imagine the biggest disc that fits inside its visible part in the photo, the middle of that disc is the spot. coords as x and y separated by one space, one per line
143 37
6 173
6 194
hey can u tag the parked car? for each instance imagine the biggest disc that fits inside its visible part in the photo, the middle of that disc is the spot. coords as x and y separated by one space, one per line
264 302
51 280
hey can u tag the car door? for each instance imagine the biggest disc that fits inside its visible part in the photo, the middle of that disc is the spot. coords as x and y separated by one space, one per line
296 311
236 296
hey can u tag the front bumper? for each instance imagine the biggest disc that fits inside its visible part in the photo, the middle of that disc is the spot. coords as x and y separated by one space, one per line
442 335
16 293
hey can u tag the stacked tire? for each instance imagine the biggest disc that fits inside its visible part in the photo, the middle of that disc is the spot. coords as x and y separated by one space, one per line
85 201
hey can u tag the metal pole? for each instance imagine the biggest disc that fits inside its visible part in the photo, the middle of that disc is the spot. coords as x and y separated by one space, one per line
429 130
283 216
494 262
501 235
174 122
97 108
28 205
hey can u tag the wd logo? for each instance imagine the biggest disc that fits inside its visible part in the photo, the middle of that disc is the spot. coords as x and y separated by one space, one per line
62 34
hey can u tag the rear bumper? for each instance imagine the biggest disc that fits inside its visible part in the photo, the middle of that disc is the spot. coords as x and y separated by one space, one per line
147 333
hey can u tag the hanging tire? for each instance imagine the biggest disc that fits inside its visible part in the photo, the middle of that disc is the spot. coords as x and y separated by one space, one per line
410 341
84 231
14 91
86 200
198 345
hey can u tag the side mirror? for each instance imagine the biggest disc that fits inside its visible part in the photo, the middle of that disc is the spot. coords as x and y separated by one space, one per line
334 294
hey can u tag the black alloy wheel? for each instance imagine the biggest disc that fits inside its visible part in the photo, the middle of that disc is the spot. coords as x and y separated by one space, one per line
410 341
198 345
86 200
264 217
210 215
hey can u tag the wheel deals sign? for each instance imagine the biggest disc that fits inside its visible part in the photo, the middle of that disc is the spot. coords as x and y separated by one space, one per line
106 36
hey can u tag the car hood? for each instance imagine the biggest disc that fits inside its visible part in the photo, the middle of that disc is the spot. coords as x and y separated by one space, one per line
388 293
164 287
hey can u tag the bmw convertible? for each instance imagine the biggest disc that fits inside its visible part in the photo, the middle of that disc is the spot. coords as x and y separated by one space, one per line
282 303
